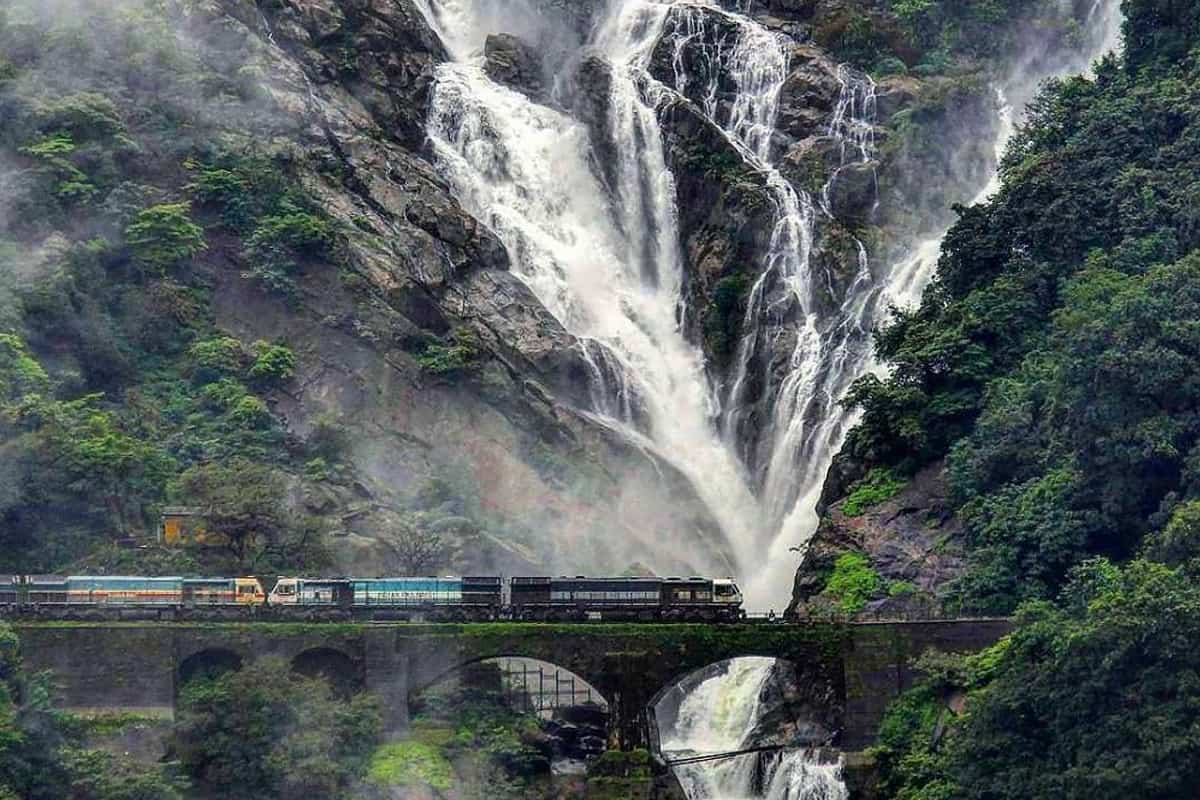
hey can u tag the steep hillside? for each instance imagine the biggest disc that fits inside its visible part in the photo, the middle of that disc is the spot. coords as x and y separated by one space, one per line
1041 395
237 277
185 181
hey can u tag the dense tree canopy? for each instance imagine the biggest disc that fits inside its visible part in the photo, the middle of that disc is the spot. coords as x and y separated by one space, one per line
1054 360
264 729
1095 699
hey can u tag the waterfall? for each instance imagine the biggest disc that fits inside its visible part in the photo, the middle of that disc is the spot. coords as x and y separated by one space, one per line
608 267
720 716
829 341
604 253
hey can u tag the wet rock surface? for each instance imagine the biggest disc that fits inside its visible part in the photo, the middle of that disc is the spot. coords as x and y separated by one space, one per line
514 63
578 733
912 541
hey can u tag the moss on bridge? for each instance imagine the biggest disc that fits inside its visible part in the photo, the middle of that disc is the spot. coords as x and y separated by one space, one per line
771 639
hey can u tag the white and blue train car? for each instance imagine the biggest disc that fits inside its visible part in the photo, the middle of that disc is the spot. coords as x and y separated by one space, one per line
407 591
123 590
467 592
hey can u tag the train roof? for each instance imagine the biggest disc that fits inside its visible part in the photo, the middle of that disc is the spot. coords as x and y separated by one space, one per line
122 578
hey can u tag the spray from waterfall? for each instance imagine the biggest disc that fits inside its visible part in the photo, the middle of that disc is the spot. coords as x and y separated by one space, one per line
604 254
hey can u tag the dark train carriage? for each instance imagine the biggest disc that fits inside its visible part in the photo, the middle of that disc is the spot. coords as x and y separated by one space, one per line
45 590
583 598
483 593
625 598
10 590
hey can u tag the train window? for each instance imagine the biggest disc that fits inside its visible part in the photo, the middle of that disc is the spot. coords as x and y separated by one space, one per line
683 594
725 590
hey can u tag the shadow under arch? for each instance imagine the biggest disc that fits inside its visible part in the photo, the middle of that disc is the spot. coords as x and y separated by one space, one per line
574 716
748 701
211 662
345 675
423 683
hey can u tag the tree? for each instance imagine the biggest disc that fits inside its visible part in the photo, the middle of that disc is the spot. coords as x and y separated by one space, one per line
246 512
20 373
41 752
419 544
163 236
267 731
93 455
243 504
1093 699
1178 544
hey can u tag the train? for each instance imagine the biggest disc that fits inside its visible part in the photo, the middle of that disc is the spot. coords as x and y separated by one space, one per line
417 599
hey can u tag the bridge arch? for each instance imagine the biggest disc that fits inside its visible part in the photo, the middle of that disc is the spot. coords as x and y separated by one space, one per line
210 662
574 716
345 675
525 669
752 701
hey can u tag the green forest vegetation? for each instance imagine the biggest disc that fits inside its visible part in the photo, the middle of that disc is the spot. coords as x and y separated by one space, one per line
1054 366
1092 698
43 752
134 145
1053 362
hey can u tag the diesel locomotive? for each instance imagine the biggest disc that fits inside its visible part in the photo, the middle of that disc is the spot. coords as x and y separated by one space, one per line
430 599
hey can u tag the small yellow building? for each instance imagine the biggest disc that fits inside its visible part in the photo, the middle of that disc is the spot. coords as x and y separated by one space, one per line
180 526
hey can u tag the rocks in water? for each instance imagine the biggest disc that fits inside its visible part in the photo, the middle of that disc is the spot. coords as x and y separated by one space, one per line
514 63
894 94
795 711
578 733
808 96
853 192
726 217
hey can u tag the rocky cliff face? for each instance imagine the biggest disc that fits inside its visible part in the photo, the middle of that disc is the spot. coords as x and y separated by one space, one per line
913 544
356 76
352 80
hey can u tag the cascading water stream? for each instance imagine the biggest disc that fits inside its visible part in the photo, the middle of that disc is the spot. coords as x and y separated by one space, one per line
721 716
608 268
605 257
828 343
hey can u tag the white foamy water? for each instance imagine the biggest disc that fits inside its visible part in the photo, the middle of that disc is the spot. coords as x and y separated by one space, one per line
607 260
720 716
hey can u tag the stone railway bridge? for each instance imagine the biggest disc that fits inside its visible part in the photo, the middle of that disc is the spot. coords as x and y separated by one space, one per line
850 671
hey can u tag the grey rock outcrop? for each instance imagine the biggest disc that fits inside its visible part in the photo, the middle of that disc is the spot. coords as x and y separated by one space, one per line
514 63
913 542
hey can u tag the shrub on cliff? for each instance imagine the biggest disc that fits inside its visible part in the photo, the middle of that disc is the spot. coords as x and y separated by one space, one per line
164 236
